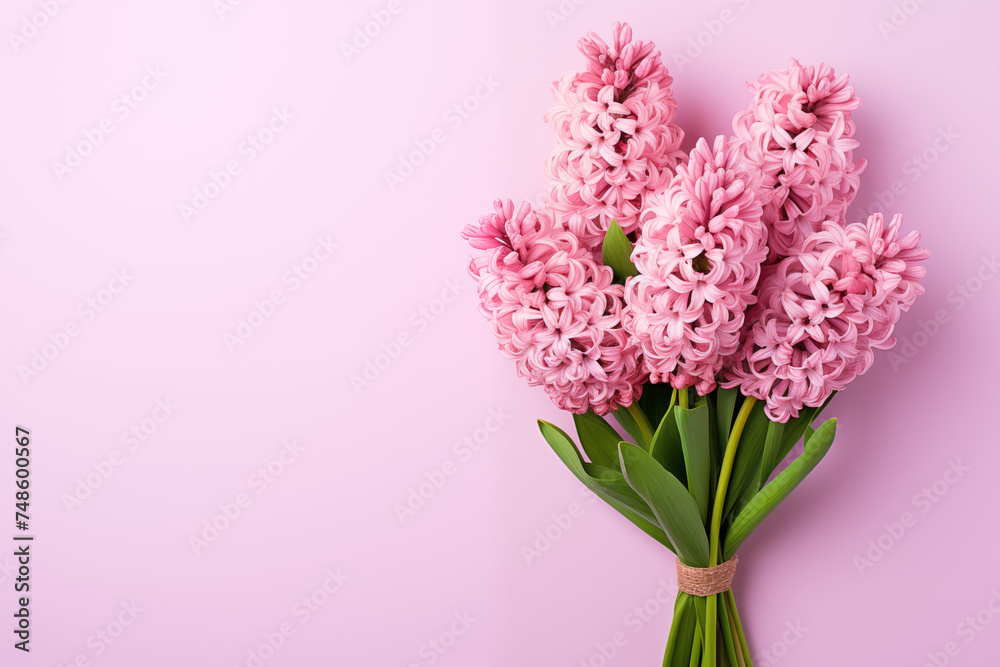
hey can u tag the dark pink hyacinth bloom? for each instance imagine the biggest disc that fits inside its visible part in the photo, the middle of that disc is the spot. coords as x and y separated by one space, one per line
554 310
824 310
616 140
798 131
699 262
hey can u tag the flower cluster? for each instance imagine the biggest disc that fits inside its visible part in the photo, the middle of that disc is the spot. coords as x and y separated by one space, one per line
822 311
699 261
554 310
745 271
798 131
616 140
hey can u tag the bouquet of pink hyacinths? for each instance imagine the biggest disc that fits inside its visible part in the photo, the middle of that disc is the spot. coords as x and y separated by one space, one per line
712 303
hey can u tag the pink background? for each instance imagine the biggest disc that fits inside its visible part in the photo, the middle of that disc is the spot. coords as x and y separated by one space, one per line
929 87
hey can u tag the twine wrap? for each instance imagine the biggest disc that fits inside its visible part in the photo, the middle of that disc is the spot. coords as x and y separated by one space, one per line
705 581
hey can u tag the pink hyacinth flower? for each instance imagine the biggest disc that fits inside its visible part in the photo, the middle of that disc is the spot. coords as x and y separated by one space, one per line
798 131
616 140
823 311
699 262
554 310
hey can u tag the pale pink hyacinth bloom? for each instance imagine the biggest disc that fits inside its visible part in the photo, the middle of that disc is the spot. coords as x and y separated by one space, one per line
798 131
554 310
824 310
616 140
699 261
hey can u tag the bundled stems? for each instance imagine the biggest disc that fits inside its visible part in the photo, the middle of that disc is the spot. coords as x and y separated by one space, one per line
709 628
720 502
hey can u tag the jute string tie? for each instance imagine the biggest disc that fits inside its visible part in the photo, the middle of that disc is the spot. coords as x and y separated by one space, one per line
705 581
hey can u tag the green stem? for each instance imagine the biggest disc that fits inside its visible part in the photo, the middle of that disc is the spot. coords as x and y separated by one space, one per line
696 651
680 608
711 621
724 475
734 612
720 503
682 397
729 635
640 418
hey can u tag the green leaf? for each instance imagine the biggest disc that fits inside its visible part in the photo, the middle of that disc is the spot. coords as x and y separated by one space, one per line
772 445
616 492
598 439
617 251
603 481
672 505
667 448
609 485
695 434
771 495
657 397
747 464
715 455
725 407
639 430
796 428
682 631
